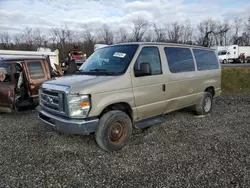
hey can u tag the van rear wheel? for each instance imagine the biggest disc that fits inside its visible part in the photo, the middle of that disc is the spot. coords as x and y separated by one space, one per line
205 105
114 130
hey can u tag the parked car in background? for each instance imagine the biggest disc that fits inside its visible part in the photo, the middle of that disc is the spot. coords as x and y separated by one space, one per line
132 84
233 54
20 79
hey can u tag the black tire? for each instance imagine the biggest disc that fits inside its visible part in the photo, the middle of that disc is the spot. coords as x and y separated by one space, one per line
114 131
201 108
224 61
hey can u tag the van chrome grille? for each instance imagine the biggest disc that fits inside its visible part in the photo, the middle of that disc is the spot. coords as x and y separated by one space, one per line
52 100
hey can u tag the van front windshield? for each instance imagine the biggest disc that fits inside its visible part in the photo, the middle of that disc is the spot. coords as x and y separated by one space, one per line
111 60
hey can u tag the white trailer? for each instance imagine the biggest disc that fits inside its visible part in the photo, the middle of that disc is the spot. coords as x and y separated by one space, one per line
234 54
53 56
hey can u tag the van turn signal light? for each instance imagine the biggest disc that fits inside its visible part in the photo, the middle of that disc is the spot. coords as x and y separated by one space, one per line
84 104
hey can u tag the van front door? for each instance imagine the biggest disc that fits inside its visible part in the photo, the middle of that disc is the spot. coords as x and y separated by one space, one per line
149 90
36 74
7 87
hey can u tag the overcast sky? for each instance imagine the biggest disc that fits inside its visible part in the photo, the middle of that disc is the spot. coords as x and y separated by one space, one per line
17 14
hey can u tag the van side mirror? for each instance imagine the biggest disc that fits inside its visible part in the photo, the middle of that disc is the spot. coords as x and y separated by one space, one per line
145 69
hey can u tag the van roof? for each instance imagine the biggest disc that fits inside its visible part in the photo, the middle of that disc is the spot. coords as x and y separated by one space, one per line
163 43
21 58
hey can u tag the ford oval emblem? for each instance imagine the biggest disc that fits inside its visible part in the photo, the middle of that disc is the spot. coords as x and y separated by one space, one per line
49 100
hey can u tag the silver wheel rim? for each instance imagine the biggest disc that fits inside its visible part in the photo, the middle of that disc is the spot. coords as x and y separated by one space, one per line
208 104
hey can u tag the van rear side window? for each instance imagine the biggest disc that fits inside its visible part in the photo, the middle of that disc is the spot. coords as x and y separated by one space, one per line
179 59
205 59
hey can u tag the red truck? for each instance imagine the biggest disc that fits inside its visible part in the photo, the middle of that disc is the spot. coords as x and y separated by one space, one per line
75 58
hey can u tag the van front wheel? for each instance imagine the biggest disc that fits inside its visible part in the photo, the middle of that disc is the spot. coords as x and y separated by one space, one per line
205 105
114 130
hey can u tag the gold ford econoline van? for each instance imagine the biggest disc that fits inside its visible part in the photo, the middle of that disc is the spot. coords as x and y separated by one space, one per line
130 85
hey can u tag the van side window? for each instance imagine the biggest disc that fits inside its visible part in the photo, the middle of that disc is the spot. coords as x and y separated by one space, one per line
149 55
205 59
35 70
179 59
5 72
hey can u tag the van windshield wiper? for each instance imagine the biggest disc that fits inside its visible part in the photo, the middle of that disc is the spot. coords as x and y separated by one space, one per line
103 71
97 70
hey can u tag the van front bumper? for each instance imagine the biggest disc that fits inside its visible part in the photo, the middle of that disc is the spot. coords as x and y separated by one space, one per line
71 126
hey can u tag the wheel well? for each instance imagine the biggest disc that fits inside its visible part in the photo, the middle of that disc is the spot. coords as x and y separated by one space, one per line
124 107
210 90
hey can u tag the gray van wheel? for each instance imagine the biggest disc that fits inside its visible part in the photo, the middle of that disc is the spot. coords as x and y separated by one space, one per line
205 105
114 130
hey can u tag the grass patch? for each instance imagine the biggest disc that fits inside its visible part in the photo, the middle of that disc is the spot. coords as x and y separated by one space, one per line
235 80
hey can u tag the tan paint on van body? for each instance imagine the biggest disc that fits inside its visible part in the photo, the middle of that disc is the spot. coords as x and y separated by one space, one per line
145 95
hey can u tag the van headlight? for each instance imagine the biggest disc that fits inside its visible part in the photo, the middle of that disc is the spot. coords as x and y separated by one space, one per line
79 106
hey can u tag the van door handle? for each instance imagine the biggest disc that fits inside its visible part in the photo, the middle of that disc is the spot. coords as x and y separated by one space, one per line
163 87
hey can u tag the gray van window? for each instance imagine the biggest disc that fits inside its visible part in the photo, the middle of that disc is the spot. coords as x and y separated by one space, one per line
179 59
149 55
205 59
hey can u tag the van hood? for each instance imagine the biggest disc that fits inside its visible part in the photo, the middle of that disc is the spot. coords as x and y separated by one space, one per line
79 80
90 83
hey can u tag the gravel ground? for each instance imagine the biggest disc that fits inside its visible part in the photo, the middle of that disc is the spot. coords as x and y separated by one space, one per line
184 151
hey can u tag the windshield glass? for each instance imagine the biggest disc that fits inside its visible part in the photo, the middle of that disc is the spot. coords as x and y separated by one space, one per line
222 53
109 60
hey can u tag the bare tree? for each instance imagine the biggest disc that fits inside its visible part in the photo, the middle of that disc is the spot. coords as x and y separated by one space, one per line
88 40
17 39
121 35
207 33
221 33
246 33
61 35
140 26
27 37
237 26
174 32
149 36
62 39
159 32
206 29
105 34
186 33
5 40
39 38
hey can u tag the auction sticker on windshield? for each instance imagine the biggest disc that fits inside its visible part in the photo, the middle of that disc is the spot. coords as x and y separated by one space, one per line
118 54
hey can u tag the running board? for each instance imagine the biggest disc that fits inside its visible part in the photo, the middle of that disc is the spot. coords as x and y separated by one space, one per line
150 121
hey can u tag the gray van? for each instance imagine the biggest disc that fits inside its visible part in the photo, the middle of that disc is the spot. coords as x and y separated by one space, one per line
130 85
